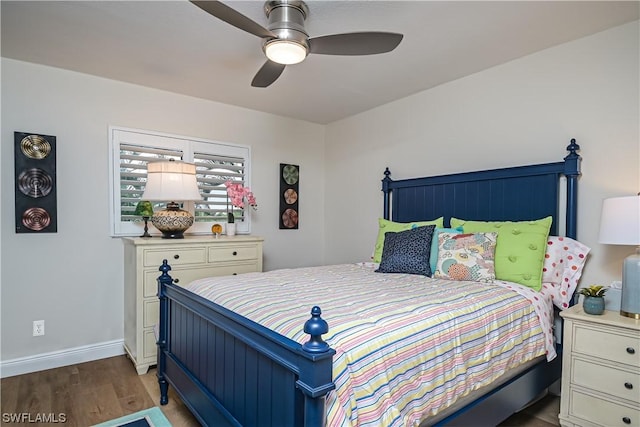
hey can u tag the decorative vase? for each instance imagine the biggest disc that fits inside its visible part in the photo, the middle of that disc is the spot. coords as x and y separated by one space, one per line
593 305
231 229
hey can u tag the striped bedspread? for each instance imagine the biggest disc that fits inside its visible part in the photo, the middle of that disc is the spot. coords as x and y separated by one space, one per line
407 346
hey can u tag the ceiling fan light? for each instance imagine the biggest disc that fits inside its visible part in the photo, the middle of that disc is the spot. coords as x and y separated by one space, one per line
285 52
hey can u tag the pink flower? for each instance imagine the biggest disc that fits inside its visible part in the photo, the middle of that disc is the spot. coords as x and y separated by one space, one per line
237 194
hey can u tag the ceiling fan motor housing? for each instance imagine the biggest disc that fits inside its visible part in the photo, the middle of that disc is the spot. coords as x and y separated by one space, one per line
286 20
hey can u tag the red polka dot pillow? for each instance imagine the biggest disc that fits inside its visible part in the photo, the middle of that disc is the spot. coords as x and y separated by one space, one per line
562 268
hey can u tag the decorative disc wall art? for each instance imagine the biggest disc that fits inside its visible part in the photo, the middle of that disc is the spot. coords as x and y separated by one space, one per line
289 196
35 183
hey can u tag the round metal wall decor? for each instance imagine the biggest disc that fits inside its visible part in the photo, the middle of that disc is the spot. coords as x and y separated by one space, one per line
36 219
35 147
35 182
289 196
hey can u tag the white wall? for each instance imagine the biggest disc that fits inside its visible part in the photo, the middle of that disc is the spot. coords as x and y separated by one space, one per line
73 279
522 112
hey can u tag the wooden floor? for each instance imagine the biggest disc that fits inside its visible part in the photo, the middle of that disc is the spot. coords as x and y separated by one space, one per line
93 392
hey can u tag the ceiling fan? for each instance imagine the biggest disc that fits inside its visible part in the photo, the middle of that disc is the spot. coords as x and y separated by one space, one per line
286 42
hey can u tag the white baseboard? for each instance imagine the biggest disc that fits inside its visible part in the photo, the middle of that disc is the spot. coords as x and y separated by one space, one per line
56 359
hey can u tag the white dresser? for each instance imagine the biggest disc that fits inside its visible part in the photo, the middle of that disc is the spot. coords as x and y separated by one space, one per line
600 370
193 257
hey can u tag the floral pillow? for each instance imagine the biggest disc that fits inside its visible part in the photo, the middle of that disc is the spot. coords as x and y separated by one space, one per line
467 256
563 263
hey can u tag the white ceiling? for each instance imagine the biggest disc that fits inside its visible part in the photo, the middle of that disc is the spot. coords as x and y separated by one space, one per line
175 46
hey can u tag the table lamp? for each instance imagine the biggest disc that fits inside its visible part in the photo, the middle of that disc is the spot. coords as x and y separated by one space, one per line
171 180
620 225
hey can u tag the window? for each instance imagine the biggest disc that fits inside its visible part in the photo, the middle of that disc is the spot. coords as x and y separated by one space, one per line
216 163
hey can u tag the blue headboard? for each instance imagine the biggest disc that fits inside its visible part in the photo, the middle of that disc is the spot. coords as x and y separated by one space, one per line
515 194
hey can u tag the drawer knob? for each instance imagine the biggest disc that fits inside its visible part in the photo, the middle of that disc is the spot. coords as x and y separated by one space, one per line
234 274
176 256
176 280
631 350
628 386
235 253
626 420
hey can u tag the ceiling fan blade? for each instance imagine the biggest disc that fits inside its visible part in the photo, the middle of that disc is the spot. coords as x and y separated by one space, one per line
233 17
365 43
268 74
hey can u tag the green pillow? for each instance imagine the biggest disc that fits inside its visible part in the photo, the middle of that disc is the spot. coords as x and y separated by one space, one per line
385 225
520 248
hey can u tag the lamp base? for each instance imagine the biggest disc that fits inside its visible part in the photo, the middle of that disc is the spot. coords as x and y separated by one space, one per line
630 301
172 221
146 227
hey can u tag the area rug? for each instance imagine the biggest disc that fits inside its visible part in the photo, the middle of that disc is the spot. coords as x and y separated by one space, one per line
152 417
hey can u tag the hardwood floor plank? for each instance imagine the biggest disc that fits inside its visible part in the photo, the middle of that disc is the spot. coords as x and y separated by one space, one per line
105 389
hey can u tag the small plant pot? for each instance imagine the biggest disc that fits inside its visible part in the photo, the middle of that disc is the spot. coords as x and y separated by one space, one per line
593 305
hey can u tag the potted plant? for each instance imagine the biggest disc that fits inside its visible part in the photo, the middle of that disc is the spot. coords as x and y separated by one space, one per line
593 302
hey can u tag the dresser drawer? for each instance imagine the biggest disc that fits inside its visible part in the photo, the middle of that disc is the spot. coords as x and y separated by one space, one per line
610 345
175 256
605 379
233 253
239 268
150 312
149 343
602 412
180 276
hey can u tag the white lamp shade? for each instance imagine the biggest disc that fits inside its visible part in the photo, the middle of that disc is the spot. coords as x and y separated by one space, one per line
171 181
620 221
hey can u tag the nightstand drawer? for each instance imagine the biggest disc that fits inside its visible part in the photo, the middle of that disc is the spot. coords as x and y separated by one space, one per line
602 412
175 256
606 379
235 253
607 344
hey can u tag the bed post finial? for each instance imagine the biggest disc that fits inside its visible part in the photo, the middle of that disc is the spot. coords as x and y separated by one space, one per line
315 327
572 148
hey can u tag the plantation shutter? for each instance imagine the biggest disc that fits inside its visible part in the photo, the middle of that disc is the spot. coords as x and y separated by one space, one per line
133 174
212 171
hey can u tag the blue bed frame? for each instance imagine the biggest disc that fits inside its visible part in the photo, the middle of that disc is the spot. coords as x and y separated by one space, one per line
230 371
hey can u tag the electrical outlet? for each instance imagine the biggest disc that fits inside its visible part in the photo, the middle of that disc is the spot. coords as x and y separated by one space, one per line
38 328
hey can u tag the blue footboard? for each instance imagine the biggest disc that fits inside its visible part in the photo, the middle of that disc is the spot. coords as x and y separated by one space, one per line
231 371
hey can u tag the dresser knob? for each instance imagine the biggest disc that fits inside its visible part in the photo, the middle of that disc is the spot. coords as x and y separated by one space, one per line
626 420
234 274
176 280
235 253
631 350
176 256
628 386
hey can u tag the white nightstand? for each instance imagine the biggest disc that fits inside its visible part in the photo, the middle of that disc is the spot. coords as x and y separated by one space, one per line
191 258
600 370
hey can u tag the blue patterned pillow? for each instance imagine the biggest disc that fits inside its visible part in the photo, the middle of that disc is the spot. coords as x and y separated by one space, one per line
407 251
